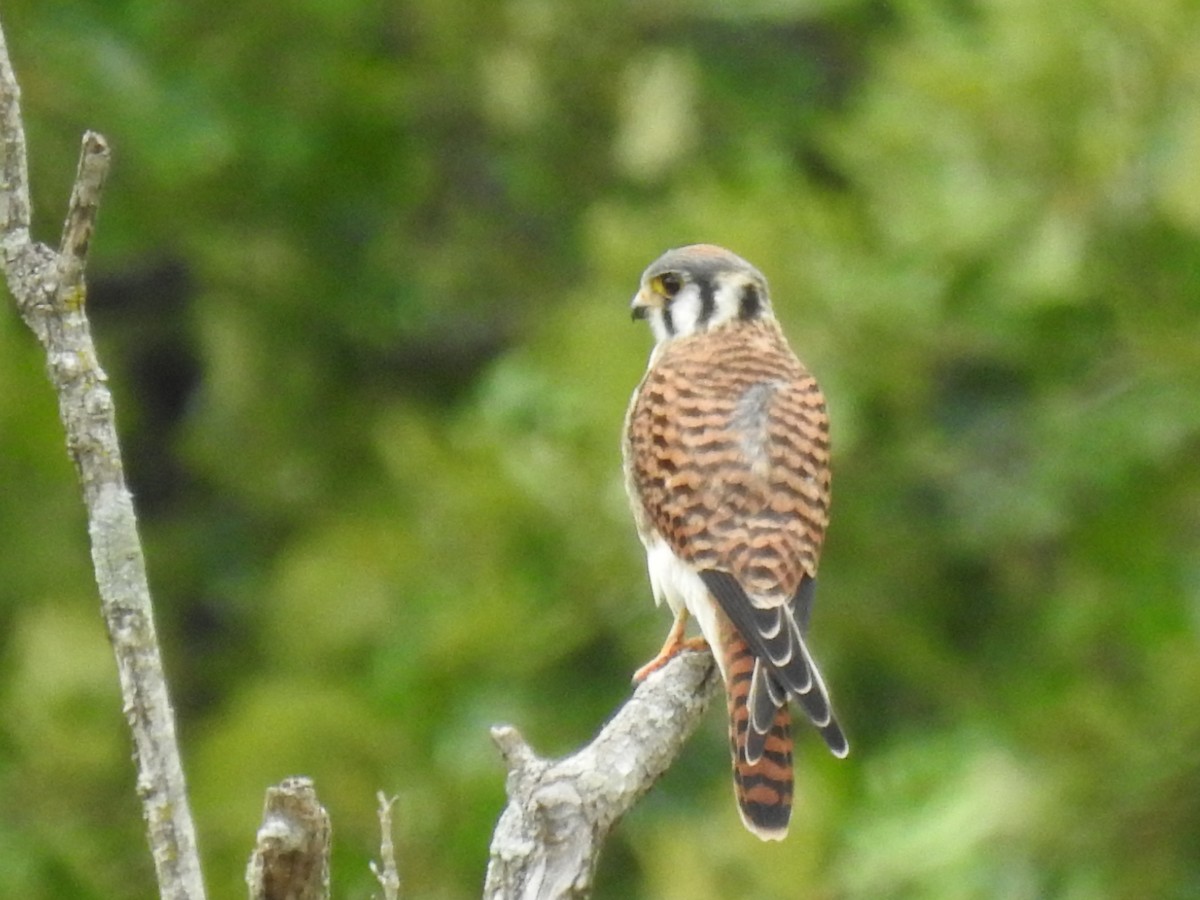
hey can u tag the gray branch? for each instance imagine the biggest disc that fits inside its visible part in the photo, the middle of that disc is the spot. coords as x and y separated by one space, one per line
548 840
385 870
50 293
291 855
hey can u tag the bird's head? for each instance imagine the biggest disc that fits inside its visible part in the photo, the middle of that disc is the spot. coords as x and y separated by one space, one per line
692 289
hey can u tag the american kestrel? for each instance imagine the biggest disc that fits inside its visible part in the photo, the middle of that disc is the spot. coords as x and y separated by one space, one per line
726 457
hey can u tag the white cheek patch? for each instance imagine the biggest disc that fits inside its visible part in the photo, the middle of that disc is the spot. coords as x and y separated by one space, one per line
658 325
679 317
728 299
685 309
673 580
698 307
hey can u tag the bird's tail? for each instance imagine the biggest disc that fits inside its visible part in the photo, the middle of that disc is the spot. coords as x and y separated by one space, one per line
763 787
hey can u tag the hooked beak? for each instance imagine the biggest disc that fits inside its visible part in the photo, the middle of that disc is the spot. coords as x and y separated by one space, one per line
643 301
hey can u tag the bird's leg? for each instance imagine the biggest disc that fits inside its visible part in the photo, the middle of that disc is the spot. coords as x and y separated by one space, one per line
673 644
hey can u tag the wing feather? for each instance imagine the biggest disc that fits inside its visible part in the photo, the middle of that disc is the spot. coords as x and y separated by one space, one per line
800 678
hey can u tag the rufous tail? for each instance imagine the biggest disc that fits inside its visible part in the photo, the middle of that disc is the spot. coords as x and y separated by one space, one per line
763 788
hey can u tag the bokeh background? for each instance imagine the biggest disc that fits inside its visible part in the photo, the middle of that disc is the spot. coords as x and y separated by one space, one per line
361 284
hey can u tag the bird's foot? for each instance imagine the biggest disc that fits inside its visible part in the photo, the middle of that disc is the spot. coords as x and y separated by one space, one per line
674 645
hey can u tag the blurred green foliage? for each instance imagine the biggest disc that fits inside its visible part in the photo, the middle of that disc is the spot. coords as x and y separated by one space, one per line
360 282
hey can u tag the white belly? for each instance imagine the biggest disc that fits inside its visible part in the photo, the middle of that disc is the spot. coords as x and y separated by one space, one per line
675 581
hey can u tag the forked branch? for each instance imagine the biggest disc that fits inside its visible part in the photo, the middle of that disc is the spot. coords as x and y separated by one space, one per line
49 288
548 840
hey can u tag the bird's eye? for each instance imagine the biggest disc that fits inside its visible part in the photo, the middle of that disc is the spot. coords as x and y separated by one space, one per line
670 283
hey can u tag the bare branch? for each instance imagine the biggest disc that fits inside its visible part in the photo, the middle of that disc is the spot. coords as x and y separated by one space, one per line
14 170
94 160
291 855
50 292
386 873
548 840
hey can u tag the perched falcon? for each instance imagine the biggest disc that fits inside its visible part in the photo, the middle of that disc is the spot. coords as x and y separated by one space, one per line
727 467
